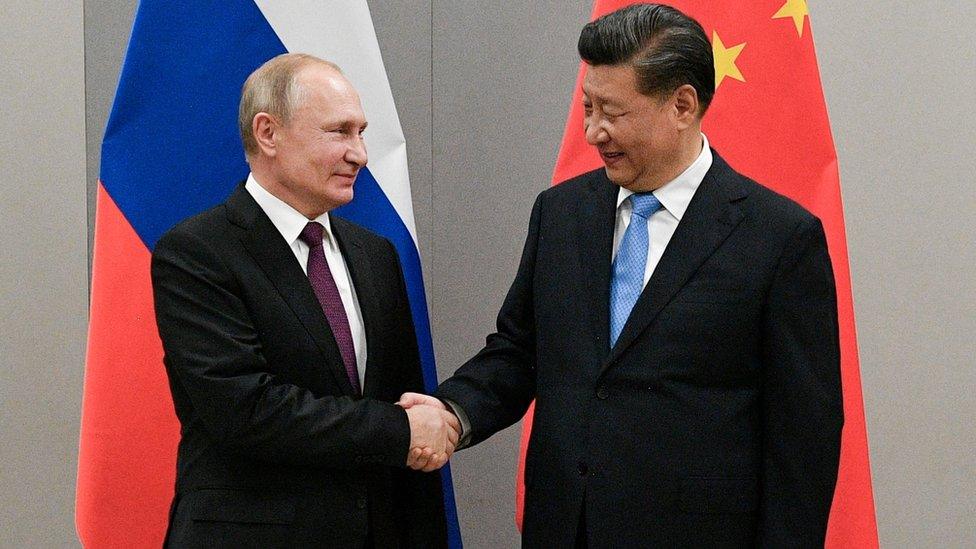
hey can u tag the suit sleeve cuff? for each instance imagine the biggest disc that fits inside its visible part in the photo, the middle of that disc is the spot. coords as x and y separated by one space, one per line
462 419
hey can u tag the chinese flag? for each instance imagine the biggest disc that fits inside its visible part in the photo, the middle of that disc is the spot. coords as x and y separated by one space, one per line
769 120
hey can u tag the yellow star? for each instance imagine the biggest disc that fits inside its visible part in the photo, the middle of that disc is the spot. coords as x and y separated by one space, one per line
725 60
797 9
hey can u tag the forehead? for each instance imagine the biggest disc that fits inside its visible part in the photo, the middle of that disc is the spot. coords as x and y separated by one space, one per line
328 93
610 83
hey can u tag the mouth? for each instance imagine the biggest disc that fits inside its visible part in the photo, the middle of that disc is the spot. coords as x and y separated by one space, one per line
611 157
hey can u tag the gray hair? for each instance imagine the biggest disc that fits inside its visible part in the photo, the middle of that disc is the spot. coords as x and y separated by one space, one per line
273 88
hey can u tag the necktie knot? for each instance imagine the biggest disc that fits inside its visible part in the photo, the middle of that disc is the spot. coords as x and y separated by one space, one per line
645 204
312 234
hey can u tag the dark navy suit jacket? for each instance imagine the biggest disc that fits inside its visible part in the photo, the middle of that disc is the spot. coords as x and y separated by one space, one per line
715 420
276 449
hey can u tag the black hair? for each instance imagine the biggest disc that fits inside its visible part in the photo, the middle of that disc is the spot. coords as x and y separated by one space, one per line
667 49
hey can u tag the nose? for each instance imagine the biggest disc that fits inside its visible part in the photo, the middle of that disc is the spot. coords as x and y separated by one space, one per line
356 153
595 134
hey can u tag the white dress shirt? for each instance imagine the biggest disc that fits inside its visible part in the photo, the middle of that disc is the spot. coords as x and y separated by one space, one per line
290 224
674 196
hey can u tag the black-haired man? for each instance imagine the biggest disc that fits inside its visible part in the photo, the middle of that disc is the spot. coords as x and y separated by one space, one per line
674 321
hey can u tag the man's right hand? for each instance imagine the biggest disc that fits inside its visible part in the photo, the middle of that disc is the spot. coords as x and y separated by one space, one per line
434 434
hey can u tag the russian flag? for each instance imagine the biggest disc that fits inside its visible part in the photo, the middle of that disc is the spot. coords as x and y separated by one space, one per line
171 150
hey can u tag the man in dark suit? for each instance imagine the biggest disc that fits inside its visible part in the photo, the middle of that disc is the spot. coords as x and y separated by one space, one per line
288 338
674 321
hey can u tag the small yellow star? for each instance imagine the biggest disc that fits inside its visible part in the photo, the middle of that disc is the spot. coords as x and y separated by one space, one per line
797 9
725 60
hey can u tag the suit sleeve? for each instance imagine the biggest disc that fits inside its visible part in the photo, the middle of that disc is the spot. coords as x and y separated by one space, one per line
215 364
802 403
495 388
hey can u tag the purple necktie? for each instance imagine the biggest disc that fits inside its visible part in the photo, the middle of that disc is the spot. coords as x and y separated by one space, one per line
327 292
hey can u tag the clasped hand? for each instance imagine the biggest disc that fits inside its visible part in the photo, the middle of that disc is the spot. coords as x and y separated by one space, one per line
434 431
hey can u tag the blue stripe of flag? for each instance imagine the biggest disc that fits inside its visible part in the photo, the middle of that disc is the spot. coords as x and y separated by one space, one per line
171 147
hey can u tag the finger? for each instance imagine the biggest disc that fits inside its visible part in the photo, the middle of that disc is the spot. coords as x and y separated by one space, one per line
434 464
413 459
452 420
420 463
415 399
406 400
446 457
425 457
452 437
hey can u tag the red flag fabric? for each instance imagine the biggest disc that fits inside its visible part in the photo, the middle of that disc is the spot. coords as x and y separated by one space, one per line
769 120
127 454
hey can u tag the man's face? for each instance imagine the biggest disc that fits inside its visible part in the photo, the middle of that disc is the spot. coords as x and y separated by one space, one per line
637 135
321 149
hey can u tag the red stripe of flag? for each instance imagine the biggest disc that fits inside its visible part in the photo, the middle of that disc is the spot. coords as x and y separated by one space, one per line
127 453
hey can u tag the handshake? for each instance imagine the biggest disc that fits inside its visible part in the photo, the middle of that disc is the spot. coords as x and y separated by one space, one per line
434 431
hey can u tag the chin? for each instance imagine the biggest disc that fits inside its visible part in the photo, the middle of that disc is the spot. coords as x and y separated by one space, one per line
344 198
618 178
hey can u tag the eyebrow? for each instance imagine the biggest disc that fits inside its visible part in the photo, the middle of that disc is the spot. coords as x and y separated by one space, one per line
604 101
339 123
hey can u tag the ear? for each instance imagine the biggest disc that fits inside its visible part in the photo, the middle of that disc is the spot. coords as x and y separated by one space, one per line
685 105
264 126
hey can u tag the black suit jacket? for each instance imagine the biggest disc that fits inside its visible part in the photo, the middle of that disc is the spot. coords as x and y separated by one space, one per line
276 449
715 420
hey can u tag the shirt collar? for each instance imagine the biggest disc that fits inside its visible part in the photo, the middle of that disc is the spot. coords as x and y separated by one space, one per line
676 194
289 221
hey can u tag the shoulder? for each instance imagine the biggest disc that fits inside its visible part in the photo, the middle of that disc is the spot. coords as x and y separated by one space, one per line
762 201
774 205
201 247
584 186
594 180
207 228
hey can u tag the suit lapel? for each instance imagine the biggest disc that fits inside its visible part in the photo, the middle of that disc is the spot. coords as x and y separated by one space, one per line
273 255
596 217
364 281
710 218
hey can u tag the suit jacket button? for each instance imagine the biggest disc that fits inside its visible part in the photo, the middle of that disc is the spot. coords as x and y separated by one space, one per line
602 393
361 502
582 468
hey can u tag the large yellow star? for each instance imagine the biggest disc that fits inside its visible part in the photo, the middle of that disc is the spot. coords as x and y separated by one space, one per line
725 60
797 9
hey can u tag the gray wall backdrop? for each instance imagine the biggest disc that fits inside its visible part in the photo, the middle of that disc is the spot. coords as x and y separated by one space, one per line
43 269
483 90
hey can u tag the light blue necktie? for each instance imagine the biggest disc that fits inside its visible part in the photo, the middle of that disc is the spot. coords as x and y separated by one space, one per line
631 261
